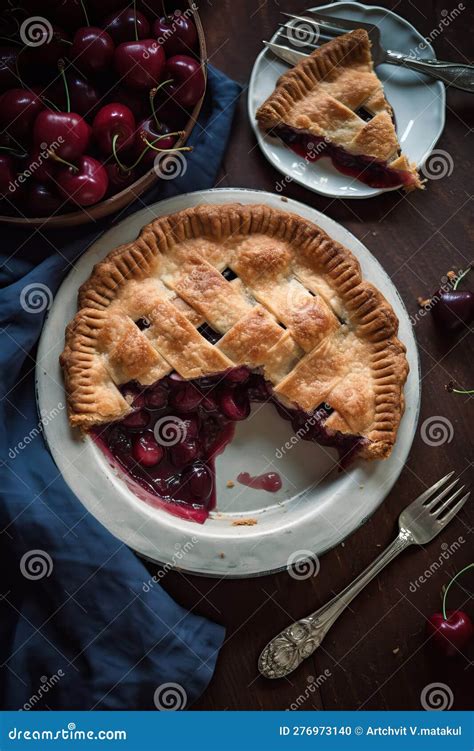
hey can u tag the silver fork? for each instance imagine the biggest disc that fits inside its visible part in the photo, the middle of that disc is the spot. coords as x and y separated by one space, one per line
452 74
418 524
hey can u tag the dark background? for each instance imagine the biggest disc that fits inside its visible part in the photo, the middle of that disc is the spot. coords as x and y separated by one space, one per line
378 653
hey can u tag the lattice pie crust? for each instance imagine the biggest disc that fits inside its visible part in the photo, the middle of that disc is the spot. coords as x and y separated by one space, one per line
297 310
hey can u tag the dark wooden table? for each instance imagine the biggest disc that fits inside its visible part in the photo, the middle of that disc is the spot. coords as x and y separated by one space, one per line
378 655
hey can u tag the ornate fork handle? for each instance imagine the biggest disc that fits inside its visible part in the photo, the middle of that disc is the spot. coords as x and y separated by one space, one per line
453 74
295 643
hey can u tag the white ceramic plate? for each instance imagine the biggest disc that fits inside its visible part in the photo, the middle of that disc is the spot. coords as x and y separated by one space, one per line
417 100
317 506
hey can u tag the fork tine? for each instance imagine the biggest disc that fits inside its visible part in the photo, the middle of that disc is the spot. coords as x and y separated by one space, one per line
447 518
427 493
438 512
441 495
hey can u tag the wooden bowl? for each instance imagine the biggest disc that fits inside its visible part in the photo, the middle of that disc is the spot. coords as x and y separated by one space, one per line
131 192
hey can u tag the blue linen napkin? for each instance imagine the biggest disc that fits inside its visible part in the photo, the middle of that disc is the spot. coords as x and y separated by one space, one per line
80 625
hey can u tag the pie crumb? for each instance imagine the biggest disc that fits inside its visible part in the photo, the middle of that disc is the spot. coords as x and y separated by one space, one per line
396 650
244 522
221 555
230 484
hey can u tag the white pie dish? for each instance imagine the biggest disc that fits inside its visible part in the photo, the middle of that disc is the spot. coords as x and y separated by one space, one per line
418 103
301 517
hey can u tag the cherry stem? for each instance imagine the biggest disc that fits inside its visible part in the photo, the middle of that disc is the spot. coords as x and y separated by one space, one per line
125 168
152 95
461 276
462 391
11 40
57 158
13 151
48 101
85 12
155 148
471 565
66 87
122 166
135 19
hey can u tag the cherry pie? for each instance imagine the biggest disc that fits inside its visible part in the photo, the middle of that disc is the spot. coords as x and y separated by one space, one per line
214 308
332 104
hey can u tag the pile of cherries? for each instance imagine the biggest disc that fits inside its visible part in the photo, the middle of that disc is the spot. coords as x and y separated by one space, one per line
93 96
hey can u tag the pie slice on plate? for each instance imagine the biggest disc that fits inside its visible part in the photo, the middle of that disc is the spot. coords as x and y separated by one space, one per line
332 104
215 308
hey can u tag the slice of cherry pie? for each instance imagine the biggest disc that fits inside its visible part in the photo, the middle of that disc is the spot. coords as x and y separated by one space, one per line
210 310
332 104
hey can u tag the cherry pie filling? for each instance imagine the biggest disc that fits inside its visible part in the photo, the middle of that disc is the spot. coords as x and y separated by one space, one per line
169 443
372 172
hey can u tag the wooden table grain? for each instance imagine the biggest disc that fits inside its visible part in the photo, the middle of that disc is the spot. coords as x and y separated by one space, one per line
377 656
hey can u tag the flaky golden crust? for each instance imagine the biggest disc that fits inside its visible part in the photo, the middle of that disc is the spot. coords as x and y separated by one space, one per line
298 310
321 96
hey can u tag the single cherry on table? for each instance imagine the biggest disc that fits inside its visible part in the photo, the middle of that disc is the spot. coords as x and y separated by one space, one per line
451 630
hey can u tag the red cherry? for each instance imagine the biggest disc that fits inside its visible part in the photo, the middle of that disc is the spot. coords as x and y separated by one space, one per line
450 634
198 481
119 179
113 120
83 96
188 81
140 64
121 26
42 200
8 71
18 112
69 13
184 453
7 173
43 168
176 33
139 419
156 397
146 451
149 129
169 111
453 309
51 44
86 183
185 397
92 49
235 403
66 133
134 100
